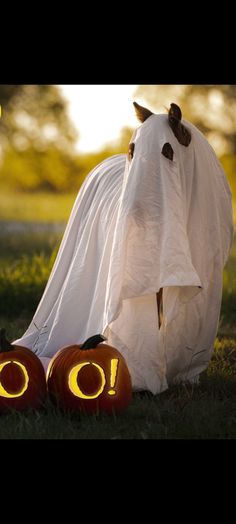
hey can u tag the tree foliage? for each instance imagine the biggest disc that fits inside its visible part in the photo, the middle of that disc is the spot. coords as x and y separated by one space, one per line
32 170
36 142
212 108
34 116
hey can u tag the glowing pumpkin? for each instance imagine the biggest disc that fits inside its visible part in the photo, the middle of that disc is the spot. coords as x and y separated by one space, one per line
22 377
91 377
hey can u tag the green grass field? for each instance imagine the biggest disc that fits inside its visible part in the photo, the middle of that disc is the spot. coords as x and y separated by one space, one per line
196 412
43 207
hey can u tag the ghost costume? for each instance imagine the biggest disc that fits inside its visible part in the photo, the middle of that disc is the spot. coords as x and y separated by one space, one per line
138 226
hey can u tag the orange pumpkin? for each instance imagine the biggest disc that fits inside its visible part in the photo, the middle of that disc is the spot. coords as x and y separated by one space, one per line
22 377
91 377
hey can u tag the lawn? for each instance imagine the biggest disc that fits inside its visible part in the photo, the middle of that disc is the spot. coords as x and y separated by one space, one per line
196 412
43 207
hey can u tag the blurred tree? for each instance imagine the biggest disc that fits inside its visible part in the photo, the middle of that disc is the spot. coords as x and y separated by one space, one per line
119 144
88 161
36 140
212 108
229 164
34 116
51 170
124 139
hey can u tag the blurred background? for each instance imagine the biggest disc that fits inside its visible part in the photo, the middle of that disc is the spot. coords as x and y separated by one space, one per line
51 136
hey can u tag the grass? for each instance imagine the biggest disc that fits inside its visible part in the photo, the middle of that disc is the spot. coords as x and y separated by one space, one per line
228 309
43 207
206 411
203 411
25 264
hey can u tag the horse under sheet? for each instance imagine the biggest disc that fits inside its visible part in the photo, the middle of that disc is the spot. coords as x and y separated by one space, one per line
138 226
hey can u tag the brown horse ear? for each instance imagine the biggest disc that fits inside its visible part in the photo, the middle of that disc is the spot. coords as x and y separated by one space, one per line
175 111
182 134
141 112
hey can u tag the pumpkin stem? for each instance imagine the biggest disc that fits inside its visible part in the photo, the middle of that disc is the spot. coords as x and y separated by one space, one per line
92 342
4 343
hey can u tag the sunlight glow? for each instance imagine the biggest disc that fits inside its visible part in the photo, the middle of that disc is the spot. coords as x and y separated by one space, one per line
99 112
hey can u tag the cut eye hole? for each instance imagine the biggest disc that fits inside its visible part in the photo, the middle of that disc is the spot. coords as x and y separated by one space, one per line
131 151
167 151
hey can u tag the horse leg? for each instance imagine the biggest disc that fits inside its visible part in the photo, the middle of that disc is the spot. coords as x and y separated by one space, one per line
160 306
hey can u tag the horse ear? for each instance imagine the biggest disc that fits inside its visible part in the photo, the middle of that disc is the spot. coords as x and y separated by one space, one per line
141 112
182 134
175 111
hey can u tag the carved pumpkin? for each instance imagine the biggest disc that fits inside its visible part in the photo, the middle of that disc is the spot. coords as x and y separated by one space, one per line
91 377
22 377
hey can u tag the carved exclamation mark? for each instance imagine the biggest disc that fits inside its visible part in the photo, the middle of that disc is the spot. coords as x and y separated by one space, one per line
114 367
